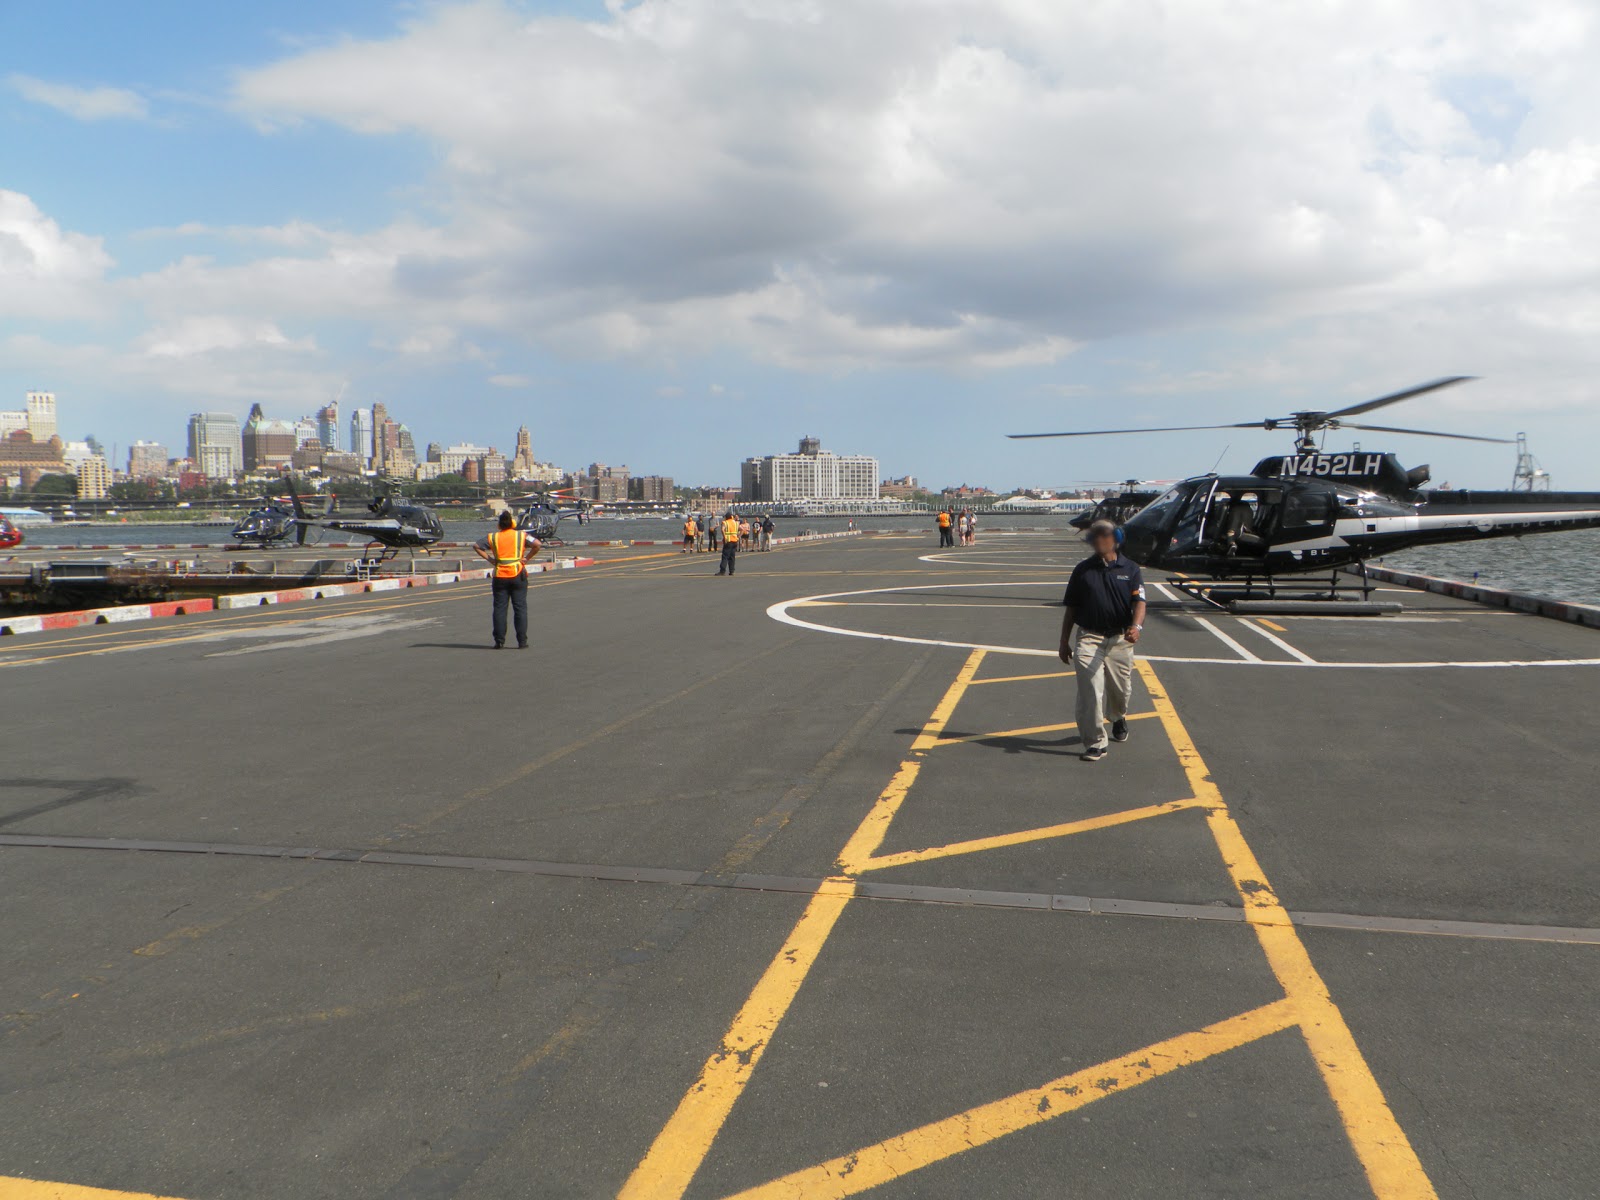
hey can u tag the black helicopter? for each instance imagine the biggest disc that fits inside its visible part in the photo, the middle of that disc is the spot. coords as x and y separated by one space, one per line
394 524
272 522
542 516
1315 511
1117 506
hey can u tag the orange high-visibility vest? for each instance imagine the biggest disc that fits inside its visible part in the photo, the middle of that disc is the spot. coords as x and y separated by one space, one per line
944 520
730 530
506 546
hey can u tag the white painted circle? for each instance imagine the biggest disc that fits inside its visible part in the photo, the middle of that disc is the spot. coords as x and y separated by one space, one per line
780 612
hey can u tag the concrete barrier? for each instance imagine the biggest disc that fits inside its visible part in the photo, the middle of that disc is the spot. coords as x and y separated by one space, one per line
1559 610
115 615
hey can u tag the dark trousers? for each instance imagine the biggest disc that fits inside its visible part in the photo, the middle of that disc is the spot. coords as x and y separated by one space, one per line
730 552
946 537
516 592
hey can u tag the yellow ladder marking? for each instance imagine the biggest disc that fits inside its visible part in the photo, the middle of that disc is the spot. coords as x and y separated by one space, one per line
888 1160
1025 678
1391 1164
1005 733
685 1140
883 862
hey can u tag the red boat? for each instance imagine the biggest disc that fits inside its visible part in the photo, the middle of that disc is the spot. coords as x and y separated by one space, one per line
10 535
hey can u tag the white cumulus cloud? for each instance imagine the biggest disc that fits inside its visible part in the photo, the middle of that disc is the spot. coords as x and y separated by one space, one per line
84 104
975 184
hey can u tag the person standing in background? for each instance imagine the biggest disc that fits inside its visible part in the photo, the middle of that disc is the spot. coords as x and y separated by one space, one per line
730 544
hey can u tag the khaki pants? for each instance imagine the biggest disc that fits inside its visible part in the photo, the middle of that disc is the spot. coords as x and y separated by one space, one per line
1104 667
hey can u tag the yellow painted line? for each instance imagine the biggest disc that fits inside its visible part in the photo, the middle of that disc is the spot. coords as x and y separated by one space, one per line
933 729
895 1157
168 942
682 1145
1005 733
1386 1154
1126 816
12 1188
1024 678
1272 625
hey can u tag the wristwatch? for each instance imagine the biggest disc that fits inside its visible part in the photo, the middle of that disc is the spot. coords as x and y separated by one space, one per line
1136 628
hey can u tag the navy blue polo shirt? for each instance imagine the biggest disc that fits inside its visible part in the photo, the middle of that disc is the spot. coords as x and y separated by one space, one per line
1102 594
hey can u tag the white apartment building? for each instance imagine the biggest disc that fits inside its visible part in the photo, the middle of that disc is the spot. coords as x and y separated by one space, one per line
810 474
42 415
215 444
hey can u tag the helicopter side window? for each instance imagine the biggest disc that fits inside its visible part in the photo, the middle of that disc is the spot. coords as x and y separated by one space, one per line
1159 509
1309 507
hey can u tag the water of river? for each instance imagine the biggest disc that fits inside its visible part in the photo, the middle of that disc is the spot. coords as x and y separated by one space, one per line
1564 566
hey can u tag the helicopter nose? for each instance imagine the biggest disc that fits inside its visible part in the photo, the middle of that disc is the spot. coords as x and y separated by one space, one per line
1138 544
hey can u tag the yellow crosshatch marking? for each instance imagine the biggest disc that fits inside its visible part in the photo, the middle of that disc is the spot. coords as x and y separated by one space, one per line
1391 1165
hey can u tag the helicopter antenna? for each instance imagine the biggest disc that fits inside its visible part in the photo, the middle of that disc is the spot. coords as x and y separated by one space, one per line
1218 463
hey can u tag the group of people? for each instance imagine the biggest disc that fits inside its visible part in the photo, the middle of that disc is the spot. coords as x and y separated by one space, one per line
727 537
953 525
708 534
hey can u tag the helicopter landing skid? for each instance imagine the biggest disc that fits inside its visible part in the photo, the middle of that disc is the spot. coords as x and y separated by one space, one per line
1265 596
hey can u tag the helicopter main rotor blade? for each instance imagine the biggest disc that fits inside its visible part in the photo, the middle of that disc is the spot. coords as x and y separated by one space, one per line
1156 429
1465 437
1396 397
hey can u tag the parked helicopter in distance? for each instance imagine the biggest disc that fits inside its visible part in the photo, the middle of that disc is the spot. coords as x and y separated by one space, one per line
541 516
1118 506
394 524
10 535
1315 511
272 522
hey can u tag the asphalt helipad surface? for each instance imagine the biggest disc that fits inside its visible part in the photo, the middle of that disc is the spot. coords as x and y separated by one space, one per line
793 885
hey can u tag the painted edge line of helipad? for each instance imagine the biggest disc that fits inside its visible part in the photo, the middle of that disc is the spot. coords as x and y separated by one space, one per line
780 612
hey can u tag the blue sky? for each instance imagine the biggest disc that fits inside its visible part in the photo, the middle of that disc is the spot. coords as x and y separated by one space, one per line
678 232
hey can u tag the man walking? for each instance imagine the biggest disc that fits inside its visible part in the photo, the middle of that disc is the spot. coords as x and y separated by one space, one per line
508 550
730 544
1105 608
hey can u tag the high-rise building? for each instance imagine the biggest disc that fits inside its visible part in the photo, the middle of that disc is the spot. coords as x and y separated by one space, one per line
605 485
810 474
215 445
405 452
266 443
361 434
453 458
147 460
94 478
307 429
12 421
42 415
522 464
328 426
652 489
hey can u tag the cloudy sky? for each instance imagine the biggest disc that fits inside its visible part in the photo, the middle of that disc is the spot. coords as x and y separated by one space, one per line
676 232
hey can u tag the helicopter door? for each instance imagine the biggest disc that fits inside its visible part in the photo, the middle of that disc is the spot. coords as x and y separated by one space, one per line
1307 512
1193 520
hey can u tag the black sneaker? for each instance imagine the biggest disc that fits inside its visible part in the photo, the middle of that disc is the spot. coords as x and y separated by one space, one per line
1093 754
1119 731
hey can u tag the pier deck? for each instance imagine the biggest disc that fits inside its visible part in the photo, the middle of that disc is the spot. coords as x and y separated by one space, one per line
793 885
